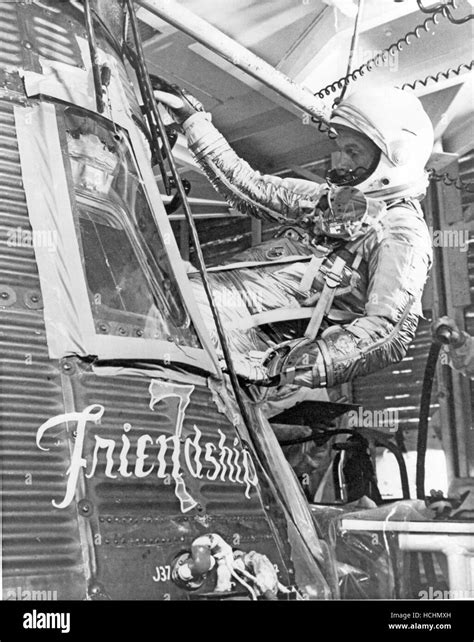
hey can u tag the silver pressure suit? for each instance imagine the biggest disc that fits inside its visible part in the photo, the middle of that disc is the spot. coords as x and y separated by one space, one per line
375 310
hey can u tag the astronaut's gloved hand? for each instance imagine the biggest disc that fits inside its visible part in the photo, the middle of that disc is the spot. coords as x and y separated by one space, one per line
180 104
298 361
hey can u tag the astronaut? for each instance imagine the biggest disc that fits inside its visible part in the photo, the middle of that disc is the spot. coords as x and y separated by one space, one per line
364 228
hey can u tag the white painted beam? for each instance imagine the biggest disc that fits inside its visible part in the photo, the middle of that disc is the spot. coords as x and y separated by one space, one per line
236 54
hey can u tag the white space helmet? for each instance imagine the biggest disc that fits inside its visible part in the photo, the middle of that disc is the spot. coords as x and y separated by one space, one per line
397 123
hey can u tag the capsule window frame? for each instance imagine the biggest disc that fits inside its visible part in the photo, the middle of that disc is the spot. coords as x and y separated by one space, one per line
50 195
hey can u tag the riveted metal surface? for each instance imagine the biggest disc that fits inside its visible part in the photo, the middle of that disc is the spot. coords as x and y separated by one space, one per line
41 542
137 521
126 401
137 526
41 546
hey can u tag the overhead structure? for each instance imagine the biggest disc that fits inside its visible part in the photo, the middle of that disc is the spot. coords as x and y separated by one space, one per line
211 37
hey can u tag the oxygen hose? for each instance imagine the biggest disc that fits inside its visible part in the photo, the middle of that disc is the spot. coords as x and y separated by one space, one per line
422 439
444 335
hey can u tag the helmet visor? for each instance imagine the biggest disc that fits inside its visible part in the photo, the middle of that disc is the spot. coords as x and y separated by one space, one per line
355 158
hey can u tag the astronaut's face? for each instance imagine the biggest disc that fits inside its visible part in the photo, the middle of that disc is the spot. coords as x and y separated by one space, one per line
355 158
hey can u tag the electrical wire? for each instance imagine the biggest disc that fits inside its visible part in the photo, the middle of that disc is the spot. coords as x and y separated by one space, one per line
151 110
94 56
447 12
422 442
244 584
445 178
422 438
323 128
448 73
354 42
382 56
281 588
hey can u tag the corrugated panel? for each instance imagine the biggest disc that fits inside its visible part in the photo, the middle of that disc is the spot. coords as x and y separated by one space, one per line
39 542
398 387
17 262
54 42
46 33
127 399
11 56
139 523
51 36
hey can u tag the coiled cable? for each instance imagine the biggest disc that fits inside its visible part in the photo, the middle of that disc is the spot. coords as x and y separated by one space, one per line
446 12
382 56
441 75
